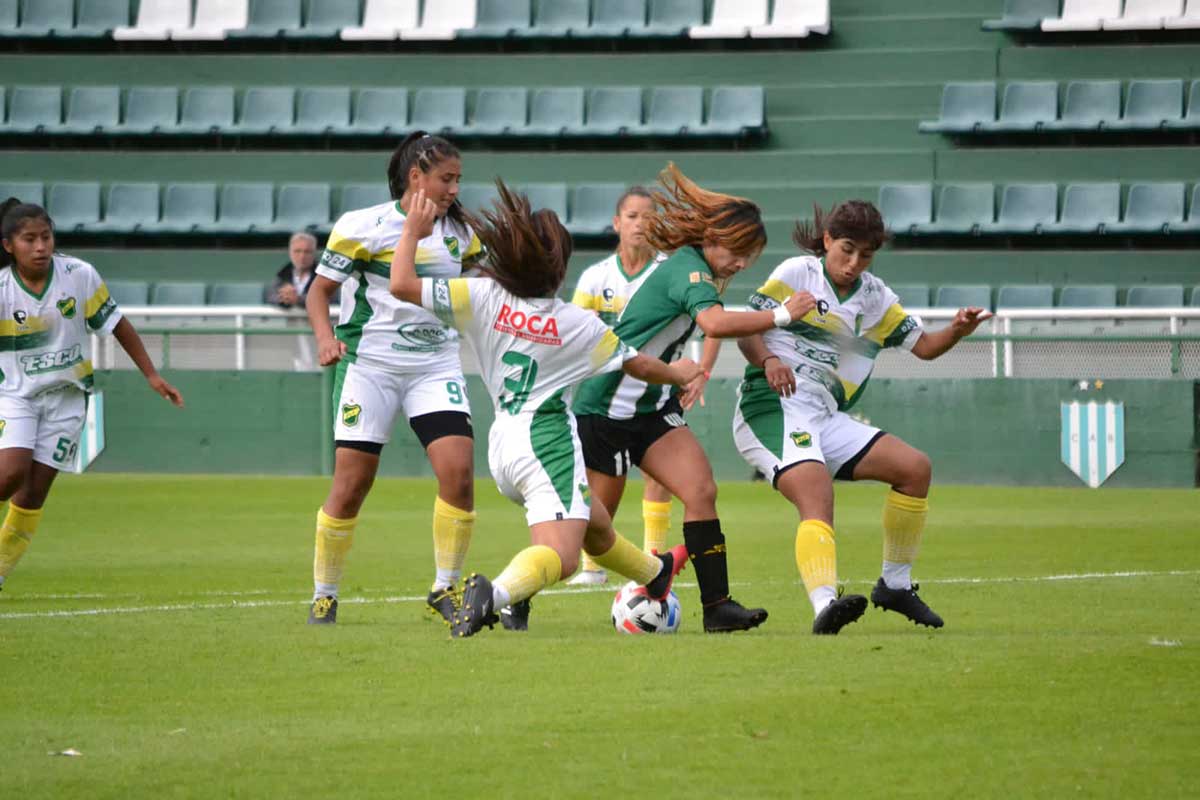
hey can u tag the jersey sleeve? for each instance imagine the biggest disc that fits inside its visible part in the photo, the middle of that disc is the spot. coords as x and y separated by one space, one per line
693 291
452 300
346 251
896 327
607 352
475 254
99 309
586 293
779 286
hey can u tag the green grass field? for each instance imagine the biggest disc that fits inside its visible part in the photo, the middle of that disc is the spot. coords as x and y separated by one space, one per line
157 627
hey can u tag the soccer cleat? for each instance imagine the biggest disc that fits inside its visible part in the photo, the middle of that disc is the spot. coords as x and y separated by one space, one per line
589 577
441 603
838 614
906 602
516 616
729 615
323 611
674 560
477 608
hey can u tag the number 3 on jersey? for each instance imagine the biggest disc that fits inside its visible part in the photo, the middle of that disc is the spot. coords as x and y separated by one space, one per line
520 385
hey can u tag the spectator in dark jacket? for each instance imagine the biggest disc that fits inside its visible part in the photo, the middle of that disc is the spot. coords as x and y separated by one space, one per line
292 281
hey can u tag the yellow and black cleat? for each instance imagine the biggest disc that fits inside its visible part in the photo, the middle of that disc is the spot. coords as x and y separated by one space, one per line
477 608
443 604
323 611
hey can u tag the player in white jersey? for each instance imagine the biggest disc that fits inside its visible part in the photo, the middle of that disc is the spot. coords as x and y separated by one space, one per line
791 421
50 305
532 349
395 358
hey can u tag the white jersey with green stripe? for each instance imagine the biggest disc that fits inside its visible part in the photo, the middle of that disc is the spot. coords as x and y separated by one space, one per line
45 338
833 347
377 329
605 287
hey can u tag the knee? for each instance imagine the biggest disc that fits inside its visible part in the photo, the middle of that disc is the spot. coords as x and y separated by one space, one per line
11 484
918 472
701 495
347 497
456 483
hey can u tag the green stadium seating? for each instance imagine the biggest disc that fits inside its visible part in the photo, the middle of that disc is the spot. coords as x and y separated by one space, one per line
593 205
151 109
1027 106
46 17
674 110
380 111
362 195
735 111
1151 104
499 19
206 109
93 109
1025 208
475 196
74 206
554 19
187 208
1089 106
613 110
323 110
965 108
383 20
441 21
1099 296
97 19
912 295
236 294
613 19
326 18
547 195
302 206
1022 15
1191 120
905 206
555 112
671 18
1025 297
1088 208
129 207
269 19
177 293
8 19
267 109
439 111
1162 296
129 293
963 297
962 209
1195 301
25 191
245 208
1192 225
500 111
157 20
1151 208
34 109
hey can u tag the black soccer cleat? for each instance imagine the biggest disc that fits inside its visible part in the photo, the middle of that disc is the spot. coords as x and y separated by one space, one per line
323 611
441 604
729 615
516 616
477 608
838 614
906 602
673 562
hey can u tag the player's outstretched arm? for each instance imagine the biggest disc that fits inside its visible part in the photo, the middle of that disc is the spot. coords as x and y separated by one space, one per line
131 343
719 323
404 283
329 349
652 370
932 345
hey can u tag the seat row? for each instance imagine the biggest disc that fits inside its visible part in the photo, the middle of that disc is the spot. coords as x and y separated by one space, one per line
663 111
1033 208
263 208
382 20
1087 106
1097 15
187 293
1040 296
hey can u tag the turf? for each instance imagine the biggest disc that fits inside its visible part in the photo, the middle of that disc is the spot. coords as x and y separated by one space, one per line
196 676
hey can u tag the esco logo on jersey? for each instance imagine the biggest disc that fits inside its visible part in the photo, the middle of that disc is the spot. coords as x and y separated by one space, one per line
531 327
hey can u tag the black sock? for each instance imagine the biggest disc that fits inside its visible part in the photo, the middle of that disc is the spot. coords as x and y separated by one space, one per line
706 549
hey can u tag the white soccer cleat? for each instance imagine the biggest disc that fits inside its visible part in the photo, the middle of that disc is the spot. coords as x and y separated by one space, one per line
589 577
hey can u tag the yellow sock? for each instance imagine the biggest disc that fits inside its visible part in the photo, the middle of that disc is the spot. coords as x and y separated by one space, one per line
530 571
625 559
588 564
451 537
334 537
19 526
816 557
903 524
656 517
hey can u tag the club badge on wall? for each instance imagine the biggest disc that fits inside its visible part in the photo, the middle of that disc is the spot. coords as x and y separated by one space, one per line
1093 439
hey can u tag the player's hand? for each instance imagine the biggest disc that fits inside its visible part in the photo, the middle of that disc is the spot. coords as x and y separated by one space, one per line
780 376
165 390
330 352
693 391
800 304
686 371
968 319
422 214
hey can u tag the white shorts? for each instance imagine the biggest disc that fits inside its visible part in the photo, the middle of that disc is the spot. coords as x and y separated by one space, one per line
50 425
366 400
773 433
537 462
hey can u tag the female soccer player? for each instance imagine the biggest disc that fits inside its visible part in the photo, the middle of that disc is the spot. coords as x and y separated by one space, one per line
533 348
623 421
791 422
394 357
50 304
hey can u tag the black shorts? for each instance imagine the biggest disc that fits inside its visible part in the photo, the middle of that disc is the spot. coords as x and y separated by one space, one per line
612 446
428 428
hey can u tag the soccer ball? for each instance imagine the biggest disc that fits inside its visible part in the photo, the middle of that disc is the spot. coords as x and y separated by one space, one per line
633 611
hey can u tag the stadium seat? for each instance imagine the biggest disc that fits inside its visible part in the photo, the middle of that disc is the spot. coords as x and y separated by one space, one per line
1082 15
383 20
156 20
794 19
964 297
206 109
9 19
214 19
499 19
1151 208
547 195
1151 105
1022 15
671 18
440 111
74 206
129 293
1195 296
1191 119
1144 15
187 207
97 19
322 110
1027 106
1088 208
1192 225
46 18
25 191
904 206
93 109
731 19
34 109
963 208
442 21
236 294
593 207
302 206
674 110
554 19
381 111
1025 208
245 208
327 18
500 111
362 195
475 196
965 108
612 19
1089 106
1101 296
129 207
1163 296
613 110
912 296
177 293
1025 297
151 109
269 19
556 112
1190 19
267 109
735 111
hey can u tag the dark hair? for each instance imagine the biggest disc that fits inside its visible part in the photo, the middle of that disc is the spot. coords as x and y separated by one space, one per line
527 250
686 214
13 216
633 191
423 151
857 220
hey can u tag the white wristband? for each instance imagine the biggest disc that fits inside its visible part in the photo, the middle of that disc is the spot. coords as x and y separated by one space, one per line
783 317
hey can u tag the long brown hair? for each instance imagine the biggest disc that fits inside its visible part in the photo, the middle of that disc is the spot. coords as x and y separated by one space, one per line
857 220
686 214
527 251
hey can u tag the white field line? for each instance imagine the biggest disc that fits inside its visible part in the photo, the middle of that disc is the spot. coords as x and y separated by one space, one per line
168 607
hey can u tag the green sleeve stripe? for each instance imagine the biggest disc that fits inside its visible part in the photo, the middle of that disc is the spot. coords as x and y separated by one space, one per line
443 308
897 337
340 263
96 321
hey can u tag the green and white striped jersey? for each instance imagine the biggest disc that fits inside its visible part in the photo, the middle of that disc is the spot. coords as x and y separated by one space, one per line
605 287
44 338
379 330
658 321
833 348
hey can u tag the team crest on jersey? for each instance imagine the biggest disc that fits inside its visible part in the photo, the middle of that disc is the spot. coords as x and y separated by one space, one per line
351 413
66 307
802 438
451 243
586 494
700 277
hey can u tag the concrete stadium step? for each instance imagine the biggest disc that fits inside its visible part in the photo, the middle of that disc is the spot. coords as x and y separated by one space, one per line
916 32
824 133
1065 63
1063 165
922 100
848 9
